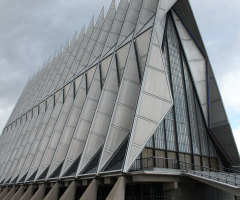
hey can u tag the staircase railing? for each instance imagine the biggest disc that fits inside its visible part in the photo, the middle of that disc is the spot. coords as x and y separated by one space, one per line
221 174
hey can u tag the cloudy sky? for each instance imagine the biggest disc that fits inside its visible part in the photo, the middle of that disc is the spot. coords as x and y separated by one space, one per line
31 31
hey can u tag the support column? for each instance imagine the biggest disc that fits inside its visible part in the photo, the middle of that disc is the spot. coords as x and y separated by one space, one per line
118 191
10 193
39 195
70 192
91 191
53 193
4 193
28 194
18 194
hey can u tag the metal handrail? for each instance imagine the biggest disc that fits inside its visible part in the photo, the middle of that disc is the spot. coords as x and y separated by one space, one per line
221 174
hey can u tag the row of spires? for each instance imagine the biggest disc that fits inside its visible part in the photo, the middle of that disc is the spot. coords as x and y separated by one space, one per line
58 53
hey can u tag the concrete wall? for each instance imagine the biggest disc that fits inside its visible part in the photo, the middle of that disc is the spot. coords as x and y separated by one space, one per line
197 191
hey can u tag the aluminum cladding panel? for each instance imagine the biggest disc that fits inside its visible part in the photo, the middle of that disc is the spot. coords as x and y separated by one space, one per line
153 104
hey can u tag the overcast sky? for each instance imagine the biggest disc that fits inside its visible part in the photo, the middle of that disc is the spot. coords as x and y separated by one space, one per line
31 31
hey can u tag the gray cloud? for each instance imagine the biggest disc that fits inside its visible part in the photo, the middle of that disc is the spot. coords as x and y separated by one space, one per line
31 31
220 27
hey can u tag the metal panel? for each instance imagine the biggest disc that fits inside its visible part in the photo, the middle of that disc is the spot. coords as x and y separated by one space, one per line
8 166
81 50
124 110
92 42
11 141
14 144
85 117
7 137
103 35
79 42
92 137
43 132
58 118
163 7
116 26
25 146
148 10
150 107
153 81
153 104
130 20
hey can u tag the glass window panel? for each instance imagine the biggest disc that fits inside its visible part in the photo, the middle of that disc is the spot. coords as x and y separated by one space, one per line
159 137
180 106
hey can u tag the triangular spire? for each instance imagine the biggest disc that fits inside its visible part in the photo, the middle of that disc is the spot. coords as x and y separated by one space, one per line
83 31
147 120
101 17
148 10
92 23
102 37
88 136
129 89
116 27
112 5
130 20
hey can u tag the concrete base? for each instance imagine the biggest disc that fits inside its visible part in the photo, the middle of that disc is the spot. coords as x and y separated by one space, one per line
53 193
70 192
39 195
118 191
18 194
10 194
28 194
4 192
91 191
197 191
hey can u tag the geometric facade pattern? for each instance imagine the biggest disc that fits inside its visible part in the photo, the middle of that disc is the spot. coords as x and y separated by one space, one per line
136 84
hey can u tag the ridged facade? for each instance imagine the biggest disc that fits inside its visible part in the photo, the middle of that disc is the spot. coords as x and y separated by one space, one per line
134 91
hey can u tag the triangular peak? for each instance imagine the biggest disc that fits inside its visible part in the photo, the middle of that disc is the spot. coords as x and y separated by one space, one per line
184 12
103 34
111 11
112 6
116 27
151 96
130 20
148 10
100 19
91 26
82 32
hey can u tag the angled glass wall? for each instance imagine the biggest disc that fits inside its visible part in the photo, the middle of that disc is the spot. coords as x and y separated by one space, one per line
182 139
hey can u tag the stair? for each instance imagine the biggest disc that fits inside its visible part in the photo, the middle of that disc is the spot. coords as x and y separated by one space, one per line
229 182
